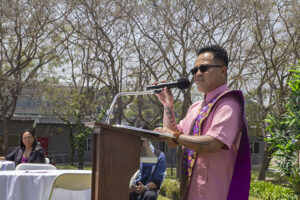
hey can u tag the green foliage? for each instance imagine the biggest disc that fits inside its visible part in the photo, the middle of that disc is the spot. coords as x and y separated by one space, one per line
270 191
73 105
80 142
147 110
142 110
259 190
62 166
255 115
285 132
100 116
171 189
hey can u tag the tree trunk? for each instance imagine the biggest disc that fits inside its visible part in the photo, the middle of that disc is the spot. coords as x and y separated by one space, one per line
80 157
72 145
80 144
298 191
266 161
5 135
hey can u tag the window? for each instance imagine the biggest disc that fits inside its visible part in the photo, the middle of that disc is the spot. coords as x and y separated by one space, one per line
254 147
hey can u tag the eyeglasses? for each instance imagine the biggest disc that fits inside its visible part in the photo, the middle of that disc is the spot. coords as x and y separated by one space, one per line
203 68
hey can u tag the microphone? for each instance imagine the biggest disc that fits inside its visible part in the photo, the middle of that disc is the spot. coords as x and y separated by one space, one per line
182 83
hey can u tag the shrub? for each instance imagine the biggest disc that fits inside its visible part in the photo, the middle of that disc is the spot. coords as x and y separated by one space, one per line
170 188
269 191
259 189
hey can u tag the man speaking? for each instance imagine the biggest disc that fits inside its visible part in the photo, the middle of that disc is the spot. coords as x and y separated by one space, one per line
216 158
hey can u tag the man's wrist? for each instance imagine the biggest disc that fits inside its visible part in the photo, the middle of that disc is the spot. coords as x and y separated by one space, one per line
176 137
169 107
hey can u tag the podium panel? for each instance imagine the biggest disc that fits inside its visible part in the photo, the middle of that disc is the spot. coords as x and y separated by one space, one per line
116 157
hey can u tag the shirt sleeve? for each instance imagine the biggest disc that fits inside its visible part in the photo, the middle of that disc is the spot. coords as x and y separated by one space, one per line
11 156
160 169
227 121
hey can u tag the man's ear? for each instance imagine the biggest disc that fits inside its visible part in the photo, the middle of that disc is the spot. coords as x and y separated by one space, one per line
224 70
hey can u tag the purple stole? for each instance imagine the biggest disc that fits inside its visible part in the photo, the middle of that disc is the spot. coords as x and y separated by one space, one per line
240 182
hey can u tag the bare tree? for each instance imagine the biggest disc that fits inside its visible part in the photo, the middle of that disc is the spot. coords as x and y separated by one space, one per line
168 33
275 31
30 39
108 36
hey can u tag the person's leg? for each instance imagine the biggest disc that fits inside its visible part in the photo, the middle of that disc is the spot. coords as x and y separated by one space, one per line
133 196
150 195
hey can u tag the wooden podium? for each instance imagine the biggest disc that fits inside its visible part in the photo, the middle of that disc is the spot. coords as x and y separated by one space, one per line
116 157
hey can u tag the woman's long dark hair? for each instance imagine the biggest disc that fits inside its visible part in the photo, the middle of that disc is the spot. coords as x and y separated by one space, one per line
31 131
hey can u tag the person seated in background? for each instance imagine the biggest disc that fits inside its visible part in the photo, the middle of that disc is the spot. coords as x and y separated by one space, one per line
27 152
150 177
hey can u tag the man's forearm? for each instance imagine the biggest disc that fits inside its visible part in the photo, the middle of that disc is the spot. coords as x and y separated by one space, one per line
200 143
169 118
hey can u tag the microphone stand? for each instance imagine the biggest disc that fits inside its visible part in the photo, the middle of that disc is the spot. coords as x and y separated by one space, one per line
107 121
146 155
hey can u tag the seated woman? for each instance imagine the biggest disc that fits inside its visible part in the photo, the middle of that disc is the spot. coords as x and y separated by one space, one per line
27 152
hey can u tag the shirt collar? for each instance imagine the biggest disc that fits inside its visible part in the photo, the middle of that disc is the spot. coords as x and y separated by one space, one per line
151 147
215 92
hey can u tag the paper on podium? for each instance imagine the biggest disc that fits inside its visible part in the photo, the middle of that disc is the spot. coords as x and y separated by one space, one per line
146 155
150 133
155 135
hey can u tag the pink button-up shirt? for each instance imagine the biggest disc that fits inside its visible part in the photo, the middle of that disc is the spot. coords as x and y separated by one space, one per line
213 171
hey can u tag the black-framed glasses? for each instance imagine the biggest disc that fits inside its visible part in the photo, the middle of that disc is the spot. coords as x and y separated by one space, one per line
203 68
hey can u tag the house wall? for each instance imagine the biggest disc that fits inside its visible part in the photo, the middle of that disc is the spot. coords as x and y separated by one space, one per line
59 144
15 128
256 150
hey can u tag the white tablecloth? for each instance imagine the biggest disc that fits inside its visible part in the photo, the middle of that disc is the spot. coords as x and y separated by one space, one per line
36 185
6 165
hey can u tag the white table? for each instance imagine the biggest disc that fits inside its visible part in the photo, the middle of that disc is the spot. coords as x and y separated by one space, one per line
6 165
36 185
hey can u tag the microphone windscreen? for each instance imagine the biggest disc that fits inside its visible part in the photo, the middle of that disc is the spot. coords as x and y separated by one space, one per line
183 83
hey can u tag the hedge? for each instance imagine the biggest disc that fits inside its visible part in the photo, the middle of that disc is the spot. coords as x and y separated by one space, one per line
259 189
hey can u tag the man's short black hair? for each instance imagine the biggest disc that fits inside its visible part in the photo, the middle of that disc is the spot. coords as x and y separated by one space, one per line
219 53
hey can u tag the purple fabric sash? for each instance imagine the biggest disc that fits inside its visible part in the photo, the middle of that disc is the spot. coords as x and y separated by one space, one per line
240 182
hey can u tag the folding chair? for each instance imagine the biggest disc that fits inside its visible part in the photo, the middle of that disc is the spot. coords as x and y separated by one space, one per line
35 166
47 161
72 181
133 178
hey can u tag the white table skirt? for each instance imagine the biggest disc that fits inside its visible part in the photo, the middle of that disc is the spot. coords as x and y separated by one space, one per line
6 165
36 185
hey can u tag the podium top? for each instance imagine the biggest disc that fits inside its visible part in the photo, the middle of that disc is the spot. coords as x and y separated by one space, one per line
129 130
